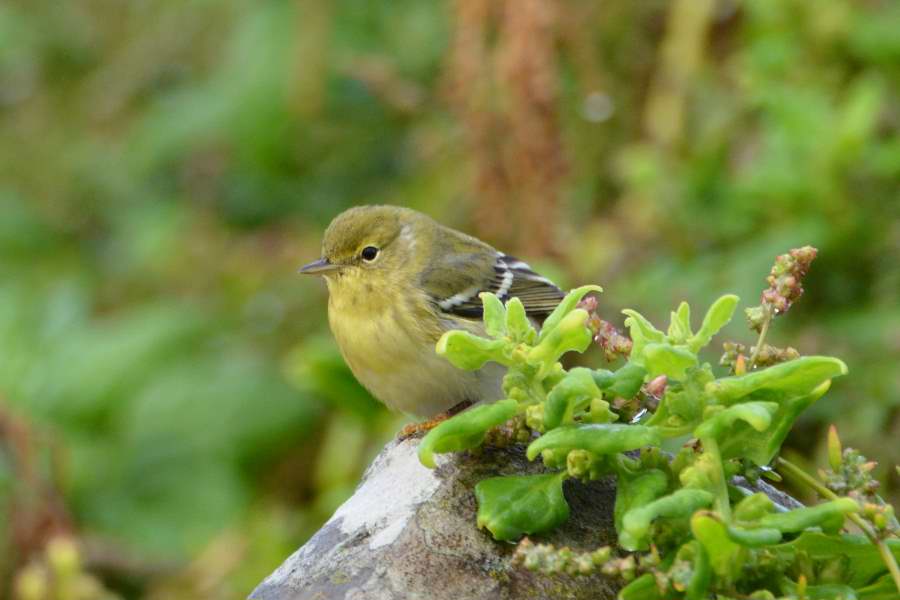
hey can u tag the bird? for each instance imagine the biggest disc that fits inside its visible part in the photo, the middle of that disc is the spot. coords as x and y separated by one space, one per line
397 281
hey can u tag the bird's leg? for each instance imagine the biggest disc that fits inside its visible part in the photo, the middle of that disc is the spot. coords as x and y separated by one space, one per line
416 429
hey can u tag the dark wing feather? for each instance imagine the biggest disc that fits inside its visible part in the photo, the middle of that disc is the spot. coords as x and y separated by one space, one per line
511 278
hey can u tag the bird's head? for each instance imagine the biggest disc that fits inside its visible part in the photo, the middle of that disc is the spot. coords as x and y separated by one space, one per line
368 242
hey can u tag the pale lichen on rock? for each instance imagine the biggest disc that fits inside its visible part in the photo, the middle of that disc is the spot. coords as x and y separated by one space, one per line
409 532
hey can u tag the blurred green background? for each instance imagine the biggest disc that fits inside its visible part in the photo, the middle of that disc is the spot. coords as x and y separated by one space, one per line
169 393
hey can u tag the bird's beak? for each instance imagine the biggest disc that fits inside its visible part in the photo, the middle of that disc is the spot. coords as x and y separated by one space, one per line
318 267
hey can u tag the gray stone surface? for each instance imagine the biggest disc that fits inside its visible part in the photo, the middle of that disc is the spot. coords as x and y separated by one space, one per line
409 533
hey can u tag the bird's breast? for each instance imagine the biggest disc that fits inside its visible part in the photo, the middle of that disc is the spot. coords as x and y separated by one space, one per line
391 352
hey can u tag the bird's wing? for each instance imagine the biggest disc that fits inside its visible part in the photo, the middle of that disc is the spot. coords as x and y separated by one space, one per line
507 277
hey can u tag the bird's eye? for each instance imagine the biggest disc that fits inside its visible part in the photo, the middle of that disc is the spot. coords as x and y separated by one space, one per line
369 253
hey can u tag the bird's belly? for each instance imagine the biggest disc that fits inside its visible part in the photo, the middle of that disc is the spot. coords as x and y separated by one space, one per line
402 370
423 387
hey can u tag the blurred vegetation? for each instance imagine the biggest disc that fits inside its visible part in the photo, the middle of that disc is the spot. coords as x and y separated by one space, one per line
171 397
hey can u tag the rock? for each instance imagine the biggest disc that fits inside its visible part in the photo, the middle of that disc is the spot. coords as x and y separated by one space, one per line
409 533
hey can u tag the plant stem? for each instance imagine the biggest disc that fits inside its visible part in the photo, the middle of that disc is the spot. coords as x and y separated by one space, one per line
886 555
762 337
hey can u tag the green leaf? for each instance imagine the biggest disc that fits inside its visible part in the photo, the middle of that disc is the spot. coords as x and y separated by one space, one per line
570 333
718 315
494 315
599 412
624 383
671 361
517 385
799 376
570 395
637 489
465 430
793 385
761 448
828 515
725 556
680 324
679 504
470 352
863 560
753 507
517 323
705 472
884 588
642 588
642 333
753 538
599 438
603 378
566 306
757 414
698 587
512 506
684 402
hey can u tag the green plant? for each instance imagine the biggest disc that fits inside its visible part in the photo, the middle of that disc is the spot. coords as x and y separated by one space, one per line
691 530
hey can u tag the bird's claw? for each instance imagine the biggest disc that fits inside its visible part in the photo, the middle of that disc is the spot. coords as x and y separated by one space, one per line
414 430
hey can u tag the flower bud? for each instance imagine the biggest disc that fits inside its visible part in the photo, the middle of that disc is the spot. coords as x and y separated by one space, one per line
534 417
579 463
601 555
835 451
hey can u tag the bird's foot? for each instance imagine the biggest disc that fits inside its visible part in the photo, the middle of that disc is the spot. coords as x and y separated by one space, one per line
419 429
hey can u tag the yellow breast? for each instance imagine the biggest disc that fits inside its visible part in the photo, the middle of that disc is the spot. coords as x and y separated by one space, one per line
390 349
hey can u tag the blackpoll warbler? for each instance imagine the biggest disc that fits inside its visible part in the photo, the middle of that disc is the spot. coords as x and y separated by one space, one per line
397 280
